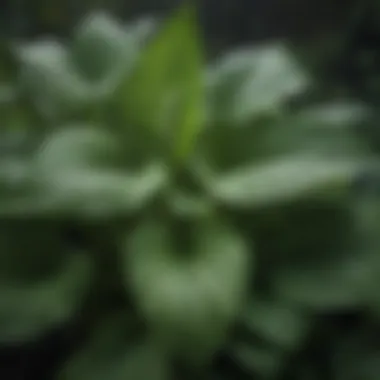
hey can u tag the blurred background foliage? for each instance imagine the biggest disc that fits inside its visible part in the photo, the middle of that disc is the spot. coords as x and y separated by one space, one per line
338 39
310 317
340 36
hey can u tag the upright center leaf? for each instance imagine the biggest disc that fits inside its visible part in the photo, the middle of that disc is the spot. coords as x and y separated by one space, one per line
165 92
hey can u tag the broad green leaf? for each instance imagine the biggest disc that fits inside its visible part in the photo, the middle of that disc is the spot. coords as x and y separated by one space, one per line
283 179
326 129
247 83
165 92
80 171
111 354
103 49
190 295
79 146
142 29
93 193
335 114
54 83
87 193
284 326
50 79
29 309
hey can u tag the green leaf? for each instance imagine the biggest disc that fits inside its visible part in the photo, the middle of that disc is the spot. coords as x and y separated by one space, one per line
285 179
111 354
189 296
165 93
102 48
247 83
88 194
329 128
142 29
50 79
94 193
79 146
80 171
29 309
325 130
277 323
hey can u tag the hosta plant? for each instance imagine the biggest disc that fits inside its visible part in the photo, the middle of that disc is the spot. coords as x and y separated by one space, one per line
172 204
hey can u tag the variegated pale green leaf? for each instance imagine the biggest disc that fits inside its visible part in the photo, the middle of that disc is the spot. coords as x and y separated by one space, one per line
284 179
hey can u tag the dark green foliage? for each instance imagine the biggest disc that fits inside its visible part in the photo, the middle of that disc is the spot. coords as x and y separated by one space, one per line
196 219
